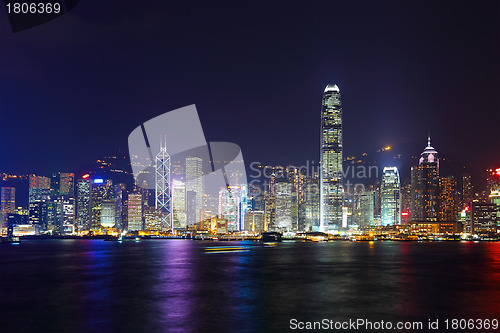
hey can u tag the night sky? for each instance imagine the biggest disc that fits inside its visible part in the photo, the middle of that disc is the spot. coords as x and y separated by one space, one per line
72 90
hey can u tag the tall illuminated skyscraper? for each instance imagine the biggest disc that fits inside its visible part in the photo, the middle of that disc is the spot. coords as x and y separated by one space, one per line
390 195
179 204
135 212
84 186
8 202
67 184
425 186
163 198
284 203
194 184
331 191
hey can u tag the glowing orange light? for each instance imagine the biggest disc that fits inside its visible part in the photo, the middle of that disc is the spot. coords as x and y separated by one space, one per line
388 148
86 176
466 208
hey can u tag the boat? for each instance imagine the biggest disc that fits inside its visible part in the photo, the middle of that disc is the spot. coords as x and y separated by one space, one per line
10 240
122 238
271 237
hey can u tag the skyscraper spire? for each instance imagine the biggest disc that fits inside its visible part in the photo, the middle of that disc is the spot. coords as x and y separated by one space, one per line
163 194
429 140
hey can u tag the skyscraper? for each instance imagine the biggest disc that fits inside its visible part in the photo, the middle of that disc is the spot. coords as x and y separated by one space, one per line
99 192
8 202
365 209
229 206
83 203
390 195
179 204
67 184
194 183
425 186
135 212
284 203
331 191
447 199
108 213
163 197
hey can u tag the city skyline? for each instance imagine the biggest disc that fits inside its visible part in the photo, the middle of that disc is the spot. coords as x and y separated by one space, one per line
439 77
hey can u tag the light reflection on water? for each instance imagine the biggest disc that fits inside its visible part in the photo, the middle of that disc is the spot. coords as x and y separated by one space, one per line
175 286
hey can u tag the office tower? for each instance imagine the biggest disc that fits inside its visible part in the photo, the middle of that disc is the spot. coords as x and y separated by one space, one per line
108 213
425 186
243 205
406 202
194 183
390 196
39 187
67 184
135 212
254 221
163 195
331 190
284 204
377 202
495 199
270 204
179 204
67 215
118 190
39 182
447 199
191 208
84 186
153 219
8 205
484 217
99 193
229 204
465 192
311 203
365 209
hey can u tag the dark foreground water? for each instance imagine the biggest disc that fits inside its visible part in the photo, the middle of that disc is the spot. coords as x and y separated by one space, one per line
175 286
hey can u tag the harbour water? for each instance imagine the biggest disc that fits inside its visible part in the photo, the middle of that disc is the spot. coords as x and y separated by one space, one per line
179 286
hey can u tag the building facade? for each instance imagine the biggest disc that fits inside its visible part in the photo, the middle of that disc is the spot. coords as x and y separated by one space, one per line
331 176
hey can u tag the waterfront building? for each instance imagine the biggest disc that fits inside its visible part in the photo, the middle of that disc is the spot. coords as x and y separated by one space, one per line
153 219
390 197
179 204
484 217
163 194
406 202
108 213
311 204
447 199
134 205
365 209
99 192
254 221
229 206
194 184
284 207
425 186
8 205
84 187
67 184
331 176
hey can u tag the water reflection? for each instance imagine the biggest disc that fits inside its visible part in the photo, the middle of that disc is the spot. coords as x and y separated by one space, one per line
176 286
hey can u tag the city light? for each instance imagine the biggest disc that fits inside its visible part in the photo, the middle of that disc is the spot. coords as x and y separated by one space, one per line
85 176
98 181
